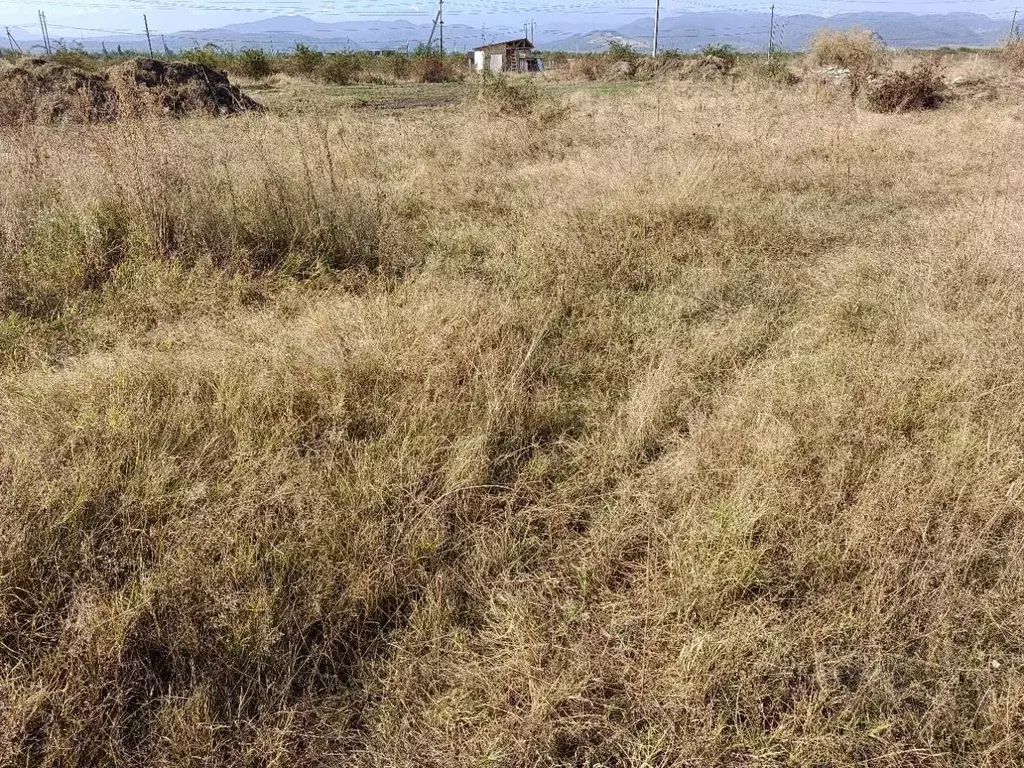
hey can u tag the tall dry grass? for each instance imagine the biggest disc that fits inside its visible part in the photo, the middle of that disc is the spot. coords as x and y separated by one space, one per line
675 429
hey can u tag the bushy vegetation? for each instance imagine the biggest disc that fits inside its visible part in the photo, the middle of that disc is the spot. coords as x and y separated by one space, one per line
776 71
339 68
209 56
76 57
916 90
858 50
509 96
1013 56
727 53
255 64
305 60
620 51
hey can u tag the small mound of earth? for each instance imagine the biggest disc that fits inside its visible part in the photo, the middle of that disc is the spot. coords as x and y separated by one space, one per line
708 67
984 88
914 91
41 91
622 70
176 88
703 68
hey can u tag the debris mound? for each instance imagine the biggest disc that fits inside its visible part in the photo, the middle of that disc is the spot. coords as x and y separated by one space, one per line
622 70
982 88
40 91
148 86
832 74
709 68
908 91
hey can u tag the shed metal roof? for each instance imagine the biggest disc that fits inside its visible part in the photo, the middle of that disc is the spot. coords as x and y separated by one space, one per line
522 42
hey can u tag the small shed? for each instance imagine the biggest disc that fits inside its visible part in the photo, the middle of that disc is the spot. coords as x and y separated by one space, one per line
508 56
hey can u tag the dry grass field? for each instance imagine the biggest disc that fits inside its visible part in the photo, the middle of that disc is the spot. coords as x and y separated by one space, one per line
677 426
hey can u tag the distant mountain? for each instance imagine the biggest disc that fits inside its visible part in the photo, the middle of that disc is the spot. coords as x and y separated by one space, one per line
749 31
685 32
300 25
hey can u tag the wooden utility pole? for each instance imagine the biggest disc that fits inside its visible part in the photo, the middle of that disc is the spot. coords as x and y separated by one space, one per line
657 19
771 34
1013 28
149 38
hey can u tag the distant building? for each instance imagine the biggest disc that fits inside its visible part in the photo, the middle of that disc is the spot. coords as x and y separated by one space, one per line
509 56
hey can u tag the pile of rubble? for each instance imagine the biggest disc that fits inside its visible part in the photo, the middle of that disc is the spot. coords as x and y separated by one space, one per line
42 91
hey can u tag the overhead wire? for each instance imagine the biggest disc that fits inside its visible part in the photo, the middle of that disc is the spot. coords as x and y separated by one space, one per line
623 9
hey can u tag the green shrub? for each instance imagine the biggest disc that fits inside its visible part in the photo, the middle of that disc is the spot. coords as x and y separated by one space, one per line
509 96
339 68
399 66
208 56
306 60
723 51
254 63
74 57
622 51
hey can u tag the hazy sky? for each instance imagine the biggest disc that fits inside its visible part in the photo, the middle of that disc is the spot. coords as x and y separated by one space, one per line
77 19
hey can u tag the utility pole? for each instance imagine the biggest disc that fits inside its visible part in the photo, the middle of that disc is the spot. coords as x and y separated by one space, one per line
771 35
657 19
46 33
440 16
1013 28
13 42
433 29
533 31
149 38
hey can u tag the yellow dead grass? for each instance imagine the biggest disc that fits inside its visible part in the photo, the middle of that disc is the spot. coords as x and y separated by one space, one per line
679 430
